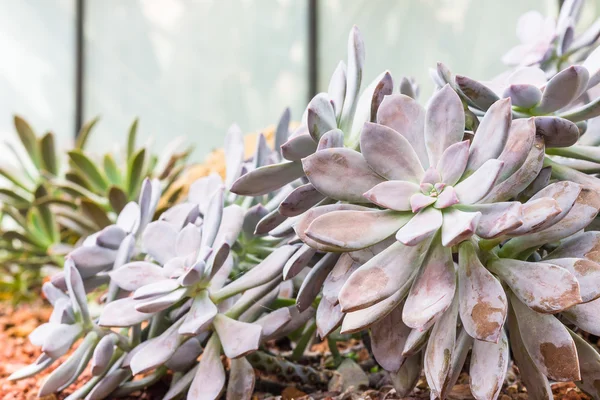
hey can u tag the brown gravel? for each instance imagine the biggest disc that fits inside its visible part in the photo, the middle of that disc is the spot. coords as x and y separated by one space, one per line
16 352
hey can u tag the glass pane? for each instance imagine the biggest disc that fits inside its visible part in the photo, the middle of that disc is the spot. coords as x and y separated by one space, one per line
37 72
193 67
409 37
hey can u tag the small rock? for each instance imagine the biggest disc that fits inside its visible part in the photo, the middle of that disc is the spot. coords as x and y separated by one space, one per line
349 375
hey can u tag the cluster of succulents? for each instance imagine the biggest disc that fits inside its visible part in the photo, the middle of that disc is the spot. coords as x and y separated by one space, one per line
50 203
462 230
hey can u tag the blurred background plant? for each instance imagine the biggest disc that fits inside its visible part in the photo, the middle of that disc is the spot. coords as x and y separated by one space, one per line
52 199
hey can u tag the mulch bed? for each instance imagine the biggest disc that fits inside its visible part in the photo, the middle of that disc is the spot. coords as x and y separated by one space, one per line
16 352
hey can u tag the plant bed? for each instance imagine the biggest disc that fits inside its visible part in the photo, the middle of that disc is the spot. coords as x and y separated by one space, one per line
16 323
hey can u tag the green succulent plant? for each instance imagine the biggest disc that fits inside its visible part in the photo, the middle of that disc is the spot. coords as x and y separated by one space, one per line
53 201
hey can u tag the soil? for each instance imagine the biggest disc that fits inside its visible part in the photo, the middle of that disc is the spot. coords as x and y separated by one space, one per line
16 352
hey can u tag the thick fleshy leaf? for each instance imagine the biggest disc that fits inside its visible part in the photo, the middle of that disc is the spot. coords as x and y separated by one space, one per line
535 381
408 87
585 316
200 316
70 369
311 285
298 147
298 261
389 153
234 150
368 104
110 237
520 139
557 132
589 366
354 73
491 136
354 230
157 304
76 291
102 354
136 274
156 289
329 317
548 343
523 95
407 117
415 342
496 218
522 177
129 217
440 349
444 123
122 313
267 270
267 179
309 216
209 379
489 363
60 339
212 219
394 195
537 214
581 215
565 193
482 302
387 340
238 338
282 130
420 227
382 276
405 379
419 201
90 260
337 88
272 322
181 214
188 240
40 364
563 88
159 352
482 96
544 287
358 320
453 162
241 380
433 289
160 240
340 173
185 356
479 184
458 226
336 279
331 139
202 189
320 116
583 245
300 200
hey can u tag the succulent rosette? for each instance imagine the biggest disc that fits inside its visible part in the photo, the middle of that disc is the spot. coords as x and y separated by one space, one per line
549 42
434 192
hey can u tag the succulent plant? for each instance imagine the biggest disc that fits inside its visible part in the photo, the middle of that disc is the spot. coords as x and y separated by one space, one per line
461 227
550 43
48 207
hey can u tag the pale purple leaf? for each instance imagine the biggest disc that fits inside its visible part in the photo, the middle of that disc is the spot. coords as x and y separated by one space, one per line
300 200
444 123
433 289
482 302
311 285
267 179
209 379
489 363
340 173
394 195
382 276
354 230
238 338
479 184
388 336
407 117
420 227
